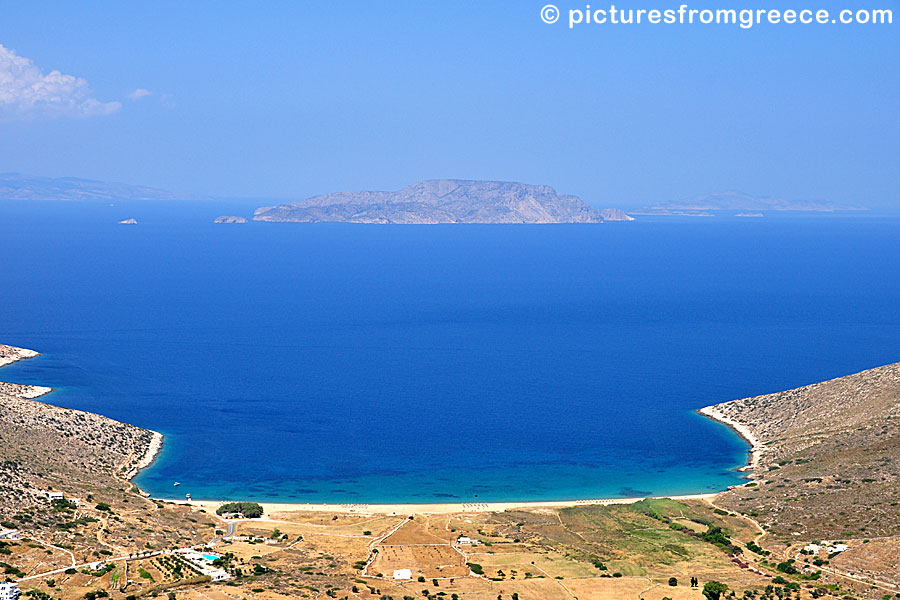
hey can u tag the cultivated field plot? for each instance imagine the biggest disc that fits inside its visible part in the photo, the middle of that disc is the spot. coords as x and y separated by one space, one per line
419 531
427 561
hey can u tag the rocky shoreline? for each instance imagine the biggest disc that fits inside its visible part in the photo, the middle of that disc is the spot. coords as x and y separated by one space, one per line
153 450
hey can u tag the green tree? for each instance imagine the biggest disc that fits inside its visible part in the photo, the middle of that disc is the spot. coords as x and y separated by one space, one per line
250 510
713 590
673 581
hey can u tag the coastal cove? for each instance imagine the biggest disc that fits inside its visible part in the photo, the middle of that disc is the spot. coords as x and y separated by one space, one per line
439 365
10 355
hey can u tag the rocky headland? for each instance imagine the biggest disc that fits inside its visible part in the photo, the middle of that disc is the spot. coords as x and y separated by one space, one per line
46 447
825 458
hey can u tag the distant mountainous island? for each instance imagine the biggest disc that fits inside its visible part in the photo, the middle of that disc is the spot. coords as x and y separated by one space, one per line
16 186
739 201
444 201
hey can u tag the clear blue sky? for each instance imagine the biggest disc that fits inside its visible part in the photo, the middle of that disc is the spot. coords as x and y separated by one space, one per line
299 98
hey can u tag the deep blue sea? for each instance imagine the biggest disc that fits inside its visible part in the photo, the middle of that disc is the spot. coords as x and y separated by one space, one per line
354 363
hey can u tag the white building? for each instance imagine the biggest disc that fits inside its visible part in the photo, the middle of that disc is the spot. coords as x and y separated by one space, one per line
466 541
10 534
51 496
203 563
9 591
827 547
403 574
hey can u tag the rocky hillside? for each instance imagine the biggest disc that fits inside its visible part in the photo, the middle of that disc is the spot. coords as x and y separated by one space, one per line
47 447
828 456
443 201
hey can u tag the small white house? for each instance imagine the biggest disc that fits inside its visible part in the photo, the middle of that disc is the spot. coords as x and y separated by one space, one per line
53 496
403 575
837 548
9 591
466 541
10 534
812 548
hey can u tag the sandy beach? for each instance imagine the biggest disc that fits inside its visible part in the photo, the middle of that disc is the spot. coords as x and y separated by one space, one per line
271 509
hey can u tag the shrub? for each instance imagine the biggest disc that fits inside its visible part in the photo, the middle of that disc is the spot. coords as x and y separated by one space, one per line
787 567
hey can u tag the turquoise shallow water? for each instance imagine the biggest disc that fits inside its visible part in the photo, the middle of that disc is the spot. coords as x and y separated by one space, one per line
341 363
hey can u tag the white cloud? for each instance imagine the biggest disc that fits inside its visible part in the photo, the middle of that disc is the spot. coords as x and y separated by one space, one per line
139 93
28 93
